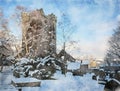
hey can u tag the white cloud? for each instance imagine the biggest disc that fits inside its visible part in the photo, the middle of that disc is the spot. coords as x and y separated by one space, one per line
96 47
118 18
93 23
47 7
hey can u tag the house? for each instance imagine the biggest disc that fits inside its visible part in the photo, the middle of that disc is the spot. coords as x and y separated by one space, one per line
67 56
84 65
93 64
83 68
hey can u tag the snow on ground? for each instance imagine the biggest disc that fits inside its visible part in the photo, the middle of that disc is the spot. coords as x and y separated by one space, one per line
5 80
25 80
68 83
71 83
62 83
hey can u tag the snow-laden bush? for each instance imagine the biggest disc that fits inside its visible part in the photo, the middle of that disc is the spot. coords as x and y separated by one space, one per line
41 68
24 61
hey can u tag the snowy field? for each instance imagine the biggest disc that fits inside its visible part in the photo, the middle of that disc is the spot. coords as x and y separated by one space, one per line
62 83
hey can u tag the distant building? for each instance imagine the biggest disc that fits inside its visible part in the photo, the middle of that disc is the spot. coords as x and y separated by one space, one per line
93 64
38 34
84 66
67 56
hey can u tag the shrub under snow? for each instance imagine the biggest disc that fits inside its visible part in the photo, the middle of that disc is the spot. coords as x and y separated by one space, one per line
41 68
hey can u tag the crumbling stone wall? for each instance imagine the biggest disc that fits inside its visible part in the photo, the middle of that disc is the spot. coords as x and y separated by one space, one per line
38 33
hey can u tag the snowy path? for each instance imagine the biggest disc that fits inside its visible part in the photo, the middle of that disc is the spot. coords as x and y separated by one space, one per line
5 80
71 83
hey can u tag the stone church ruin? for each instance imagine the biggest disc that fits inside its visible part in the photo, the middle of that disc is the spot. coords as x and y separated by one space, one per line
38 34
39 47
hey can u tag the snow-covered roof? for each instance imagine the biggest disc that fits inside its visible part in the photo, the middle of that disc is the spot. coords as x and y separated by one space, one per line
85 62
73 65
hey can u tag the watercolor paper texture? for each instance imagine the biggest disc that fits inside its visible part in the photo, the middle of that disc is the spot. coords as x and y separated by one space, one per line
64 45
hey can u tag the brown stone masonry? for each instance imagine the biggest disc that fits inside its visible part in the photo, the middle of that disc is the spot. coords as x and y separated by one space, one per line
38 33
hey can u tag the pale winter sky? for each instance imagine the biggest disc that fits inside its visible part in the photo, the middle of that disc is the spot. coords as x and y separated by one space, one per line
89 22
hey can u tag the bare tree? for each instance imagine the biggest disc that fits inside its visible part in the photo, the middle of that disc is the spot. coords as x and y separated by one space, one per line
3 21
16 16
66 30
5 39
113 54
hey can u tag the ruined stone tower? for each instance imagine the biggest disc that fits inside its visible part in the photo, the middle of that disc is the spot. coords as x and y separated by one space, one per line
38 34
